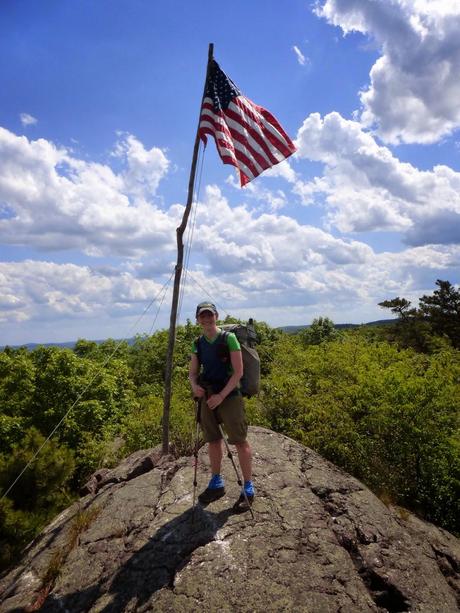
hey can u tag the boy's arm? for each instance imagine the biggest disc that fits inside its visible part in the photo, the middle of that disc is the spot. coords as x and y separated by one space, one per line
237 365
193 373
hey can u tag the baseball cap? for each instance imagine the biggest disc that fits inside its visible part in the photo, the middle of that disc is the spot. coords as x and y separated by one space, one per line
205 306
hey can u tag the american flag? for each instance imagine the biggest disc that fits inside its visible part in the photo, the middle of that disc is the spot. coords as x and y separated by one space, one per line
246 135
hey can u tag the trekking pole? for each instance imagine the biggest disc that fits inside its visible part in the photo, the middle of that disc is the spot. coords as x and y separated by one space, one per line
230 456
195 452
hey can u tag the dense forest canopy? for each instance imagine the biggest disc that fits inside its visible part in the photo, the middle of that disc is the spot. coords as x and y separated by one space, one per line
381 402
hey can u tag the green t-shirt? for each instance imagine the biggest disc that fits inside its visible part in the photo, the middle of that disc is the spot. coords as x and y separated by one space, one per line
216 368
232 342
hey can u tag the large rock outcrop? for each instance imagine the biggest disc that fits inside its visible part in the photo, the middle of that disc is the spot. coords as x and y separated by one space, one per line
320 542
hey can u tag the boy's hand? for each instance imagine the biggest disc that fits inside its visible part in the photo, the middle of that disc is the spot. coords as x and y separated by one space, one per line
198 391
214 401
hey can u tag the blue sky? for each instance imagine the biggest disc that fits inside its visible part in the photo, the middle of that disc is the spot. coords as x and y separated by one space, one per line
99 103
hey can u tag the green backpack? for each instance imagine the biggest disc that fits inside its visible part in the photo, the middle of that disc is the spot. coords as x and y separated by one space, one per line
247 337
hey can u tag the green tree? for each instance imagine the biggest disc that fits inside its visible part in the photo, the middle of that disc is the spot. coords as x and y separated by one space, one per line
267 337
17 529
400 307
147 358
443 311
412 328
437 317
41 493
43 483
17 382
320 330
17 387
90 396
85 349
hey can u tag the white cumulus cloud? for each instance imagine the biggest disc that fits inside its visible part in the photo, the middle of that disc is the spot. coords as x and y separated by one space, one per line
53 200
46 291
272 200
282 270
263 265
236 238
415 84
366 188
144 168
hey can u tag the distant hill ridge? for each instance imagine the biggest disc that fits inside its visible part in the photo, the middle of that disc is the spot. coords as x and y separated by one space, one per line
130 341
378 322
66 345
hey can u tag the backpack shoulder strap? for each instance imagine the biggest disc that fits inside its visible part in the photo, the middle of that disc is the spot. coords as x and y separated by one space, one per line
198 347
223 350
224 334
224 337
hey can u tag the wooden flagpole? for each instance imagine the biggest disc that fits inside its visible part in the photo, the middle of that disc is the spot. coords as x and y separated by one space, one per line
177 277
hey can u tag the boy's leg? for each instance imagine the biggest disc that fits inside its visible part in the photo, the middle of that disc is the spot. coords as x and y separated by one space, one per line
234 419
212 436
245 459
215 454
237 429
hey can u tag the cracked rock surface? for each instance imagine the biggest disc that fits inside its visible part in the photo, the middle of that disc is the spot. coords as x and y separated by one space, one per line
320 542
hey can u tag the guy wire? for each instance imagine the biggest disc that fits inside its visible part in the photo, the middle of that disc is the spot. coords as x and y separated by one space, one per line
202 152
208 294
164 290
98 372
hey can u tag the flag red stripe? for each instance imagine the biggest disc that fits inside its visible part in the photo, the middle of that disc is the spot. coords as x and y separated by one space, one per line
258 131
288 144
215 131
228 143
260 162
256 139
256 135
247 136
260 121
270 122
237 157
240 156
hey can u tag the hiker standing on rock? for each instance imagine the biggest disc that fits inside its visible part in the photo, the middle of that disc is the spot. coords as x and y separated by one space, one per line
216 367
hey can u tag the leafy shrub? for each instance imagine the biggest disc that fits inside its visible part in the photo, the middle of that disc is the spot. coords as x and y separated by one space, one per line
388 416
43 491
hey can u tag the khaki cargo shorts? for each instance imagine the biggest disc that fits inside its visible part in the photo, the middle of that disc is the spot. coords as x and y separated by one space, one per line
230 413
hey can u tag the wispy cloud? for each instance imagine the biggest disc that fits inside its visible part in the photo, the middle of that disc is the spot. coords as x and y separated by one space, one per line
301 58
27 120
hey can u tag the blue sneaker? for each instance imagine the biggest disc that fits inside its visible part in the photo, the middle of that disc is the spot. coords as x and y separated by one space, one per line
215 482
249 488
214 491
244 502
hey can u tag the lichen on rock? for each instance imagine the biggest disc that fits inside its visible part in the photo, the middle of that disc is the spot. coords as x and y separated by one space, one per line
320 542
